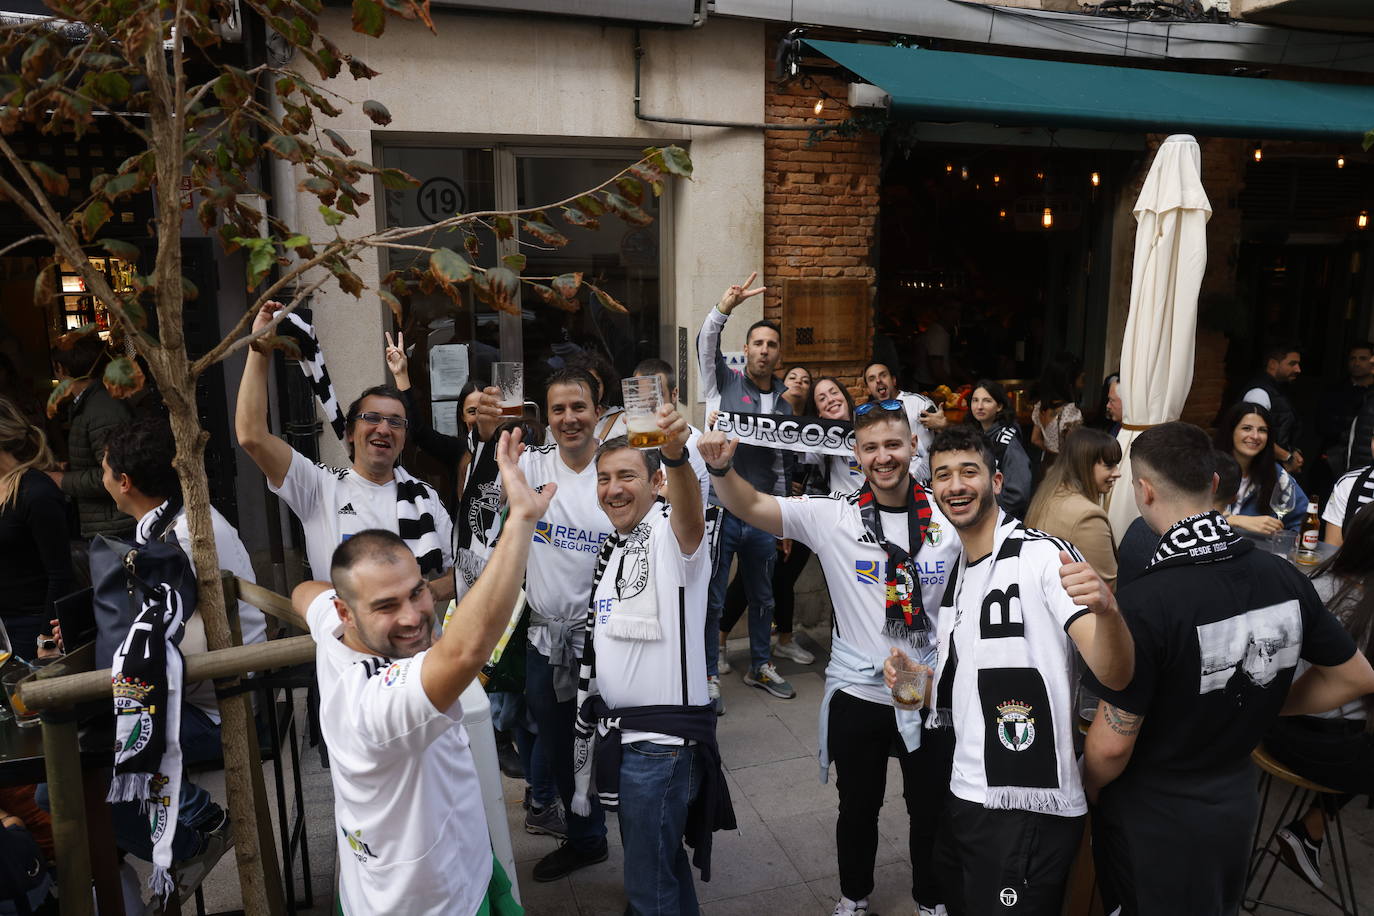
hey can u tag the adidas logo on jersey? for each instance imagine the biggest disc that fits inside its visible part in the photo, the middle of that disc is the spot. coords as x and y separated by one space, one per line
347 509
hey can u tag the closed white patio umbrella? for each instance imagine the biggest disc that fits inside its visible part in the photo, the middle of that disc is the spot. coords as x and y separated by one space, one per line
1170 257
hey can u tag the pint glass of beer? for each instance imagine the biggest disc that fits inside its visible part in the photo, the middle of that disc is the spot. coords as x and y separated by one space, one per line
643 396
510 378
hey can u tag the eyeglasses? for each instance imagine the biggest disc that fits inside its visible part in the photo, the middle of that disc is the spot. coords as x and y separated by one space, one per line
870 406
377 419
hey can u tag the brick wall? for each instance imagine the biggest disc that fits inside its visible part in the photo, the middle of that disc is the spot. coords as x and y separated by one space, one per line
820 200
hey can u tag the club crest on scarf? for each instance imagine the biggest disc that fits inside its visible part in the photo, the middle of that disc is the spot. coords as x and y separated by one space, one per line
633 573
131 698
905 618
1015 725
159 806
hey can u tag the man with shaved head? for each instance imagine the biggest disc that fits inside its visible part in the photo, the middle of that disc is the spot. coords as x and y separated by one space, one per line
412 834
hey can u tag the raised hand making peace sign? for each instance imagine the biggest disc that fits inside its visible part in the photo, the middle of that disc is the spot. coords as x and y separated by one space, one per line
738 293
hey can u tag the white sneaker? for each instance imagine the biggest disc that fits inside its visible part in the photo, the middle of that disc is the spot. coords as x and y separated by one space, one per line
847 907
723 665
794 651
713 694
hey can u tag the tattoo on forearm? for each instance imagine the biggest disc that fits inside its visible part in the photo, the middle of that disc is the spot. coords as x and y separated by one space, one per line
1120 721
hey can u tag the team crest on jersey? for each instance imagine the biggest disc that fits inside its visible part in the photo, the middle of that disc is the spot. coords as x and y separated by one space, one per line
543 531
866 571
934 534
1015 725
131 699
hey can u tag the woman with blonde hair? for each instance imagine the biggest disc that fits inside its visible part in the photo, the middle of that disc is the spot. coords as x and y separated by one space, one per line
35 556
1069 503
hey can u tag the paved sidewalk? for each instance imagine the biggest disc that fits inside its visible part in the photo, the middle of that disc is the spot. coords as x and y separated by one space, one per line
780 862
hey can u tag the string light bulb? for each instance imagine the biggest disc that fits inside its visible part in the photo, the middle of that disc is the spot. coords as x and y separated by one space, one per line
1039 176
1047 218
1362 221
996 179
819 106
1001 214
1258 153
1096 179
949 168
963 172
1340 161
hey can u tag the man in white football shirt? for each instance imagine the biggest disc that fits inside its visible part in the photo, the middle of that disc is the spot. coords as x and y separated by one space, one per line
921 412
558 589
644 664
886 551
333 504
412 835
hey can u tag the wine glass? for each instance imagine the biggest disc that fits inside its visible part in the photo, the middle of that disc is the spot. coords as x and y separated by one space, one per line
1282 501
6 653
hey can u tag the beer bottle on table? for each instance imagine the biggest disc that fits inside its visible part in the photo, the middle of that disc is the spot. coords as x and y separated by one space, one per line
1308 536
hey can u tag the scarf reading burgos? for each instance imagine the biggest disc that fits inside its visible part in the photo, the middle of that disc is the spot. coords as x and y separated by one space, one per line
1202 538
147 678
905 618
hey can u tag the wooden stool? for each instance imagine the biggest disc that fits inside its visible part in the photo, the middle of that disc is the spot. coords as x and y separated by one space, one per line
1304 793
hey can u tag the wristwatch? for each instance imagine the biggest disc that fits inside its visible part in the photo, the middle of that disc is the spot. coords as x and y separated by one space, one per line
674 462
720 472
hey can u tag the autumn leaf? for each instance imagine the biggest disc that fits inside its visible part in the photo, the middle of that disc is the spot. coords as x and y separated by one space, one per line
397 180
545 233
650 175
588 204
503 227
285 147
607 300
96 214
449 267
376 110
360 70
549 297
368 17
580 219
503 285
631 188
61 393
53 181
392 303
121 249
626 210
123 377
289 346
45 286
189 291
331 217
675 161
471 245
515 262
567 285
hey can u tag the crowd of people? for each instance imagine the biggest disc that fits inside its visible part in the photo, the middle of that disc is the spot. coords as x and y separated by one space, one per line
1062 667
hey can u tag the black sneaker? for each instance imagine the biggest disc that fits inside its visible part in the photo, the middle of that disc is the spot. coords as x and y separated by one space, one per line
507 757
567 859
1301 853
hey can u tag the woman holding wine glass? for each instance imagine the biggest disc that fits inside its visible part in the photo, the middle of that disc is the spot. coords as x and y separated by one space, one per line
35 555
1269 499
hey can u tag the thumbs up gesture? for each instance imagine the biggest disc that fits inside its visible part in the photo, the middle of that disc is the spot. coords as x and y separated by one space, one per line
1085 586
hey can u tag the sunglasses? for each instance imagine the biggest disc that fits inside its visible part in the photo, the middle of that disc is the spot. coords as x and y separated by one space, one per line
377 419
869 406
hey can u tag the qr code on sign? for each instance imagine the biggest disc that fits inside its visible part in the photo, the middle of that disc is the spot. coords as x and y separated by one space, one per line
806 335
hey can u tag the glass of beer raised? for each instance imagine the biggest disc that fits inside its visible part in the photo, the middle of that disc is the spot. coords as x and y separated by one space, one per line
643 397
510 378
911 687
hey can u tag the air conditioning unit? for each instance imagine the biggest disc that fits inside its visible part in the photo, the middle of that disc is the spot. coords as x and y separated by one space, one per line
866 95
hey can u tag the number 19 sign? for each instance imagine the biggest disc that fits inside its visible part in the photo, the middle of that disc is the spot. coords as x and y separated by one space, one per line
440 198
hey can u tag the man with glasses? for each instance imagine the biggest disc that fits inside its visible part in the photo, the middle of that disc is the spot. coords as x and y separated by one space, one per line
333 504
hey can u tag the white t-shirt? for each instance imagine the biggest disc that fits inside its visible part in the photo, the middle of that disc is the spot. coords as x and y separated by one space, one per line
698 464
1340 597
1334 513
666 671
917 404
233 557
558 580
1039 559
855 569
334 504
410 828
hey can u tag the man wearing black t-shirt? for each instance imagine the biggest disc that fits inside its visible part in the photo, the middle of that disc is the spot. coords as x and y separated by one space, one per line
1219 628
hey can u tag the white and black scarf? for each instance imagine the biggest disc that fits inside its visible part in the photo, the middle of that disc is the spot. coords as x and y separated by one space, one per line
312 364
584 730
416 503
1028 763
146 675
1202 538
1361 493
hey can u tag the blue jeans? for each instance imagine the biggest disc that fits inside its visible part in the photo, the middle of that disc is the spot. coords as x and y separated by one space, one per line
757 550
658 783
555 721
509 713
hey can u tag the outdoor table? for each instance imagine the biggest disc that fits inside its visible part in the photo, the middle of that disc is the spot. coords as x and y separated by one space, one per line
1282 544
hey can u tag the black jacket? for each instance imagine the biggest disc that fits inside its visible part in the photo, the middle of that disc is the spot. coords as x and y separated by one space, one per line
95 414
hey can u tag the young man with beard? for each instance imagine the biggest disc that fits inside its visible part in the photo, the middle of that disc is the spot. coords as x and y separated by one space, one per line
756 390
642 700
1016 606
333 504
1219 628
558 588
412 834
925 418
1282 365
886 551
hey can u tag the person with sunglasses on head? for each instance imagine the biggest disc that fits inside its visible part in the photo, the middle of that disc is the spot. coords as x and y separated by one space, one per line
333 504
756 390
886 550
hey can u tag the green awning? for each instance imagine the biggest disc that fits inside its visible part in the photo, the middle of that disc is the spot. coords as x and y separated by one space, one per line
949 86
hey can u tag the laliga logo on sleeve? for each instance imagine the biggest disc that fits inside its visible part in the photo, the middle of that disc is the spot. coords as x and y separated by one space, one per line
392 675
866 571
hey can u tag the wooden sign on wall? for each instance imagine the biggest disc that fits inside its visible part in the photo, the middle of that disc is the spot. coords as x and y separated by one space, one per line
826 320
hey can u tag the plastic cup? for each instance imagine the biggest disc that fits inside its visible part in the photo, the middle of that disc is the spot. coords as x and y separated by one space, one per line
510 378
26 717
643 396
910 689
